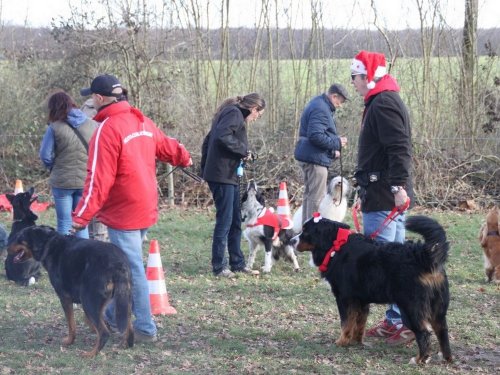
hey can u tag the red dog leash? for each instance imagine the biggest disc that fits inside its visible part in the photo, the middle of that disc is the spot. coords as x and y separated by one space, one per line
395 212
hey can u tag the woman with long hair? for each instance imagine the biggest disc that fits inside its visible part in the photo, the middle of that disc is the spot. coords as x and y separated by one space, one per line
224 148
64 153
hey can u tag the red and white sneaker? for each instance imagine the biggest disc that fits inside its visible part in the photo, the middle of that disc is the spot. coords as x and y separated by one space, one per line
402 336
381 330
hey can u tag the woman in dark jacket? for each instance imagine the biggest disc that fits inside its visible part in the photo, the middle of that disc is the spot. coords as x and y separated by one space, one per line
223 149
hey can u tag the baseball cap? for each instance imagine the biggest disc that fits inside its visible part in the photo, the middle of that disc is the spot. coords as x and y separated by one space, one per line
338 89
103 85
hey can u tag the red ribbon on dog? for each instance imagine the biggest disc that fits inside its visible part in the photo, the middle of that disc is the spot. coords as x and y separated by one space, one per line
342 236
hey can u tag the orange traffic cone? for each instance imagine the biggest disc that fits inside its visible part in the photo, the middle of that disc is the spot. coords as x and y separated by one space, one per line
283 209
19 187
158 297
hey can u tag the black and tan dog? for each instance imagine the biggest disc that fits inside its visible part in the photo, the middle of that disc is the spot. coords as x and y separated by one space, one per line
27 272
82 271
361 271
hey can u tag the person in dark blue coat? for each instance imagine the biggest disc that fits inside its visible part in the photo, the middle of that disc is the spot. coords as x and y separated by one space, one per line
223 149
319 145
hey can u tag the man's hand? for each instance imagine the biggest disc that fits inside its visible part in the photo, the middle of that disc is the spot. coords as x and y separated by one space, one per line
250 156
75 227
400 198
357 205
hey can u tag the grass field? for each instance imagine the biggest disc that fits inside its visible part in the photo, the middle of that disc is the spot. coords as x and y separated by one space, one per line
282 323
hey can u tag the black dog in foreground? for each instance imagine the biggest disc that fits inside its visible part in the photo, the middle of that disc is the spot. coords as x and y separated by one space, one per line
82 271
361 271
23 273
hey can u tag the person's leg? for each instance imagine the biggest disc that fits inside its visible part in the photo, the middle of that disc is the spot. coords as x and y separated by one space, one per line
393 314
236 257
372 222
223 199
63 202
75 196
315 177
130 241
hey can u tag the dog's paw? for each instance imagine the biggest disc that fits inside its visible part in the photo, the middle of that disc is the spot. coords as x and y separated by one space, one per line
68 340
31 281
266 269
342 342
417 360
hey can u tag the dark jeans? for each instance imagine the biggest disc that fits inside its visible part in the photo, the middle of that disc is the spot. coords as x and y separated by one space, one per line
227 231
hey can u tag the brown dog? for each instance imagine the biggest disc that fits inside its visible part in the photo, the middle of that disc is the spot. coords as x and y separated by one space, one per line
489 236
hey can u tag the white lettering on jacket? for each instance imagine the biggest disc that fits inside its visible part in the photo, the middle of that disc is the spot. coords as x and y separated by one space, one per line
144 133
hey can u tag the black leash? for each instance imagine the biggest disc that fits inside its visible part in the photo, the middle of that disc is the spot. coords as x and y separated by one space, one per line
341 177
188 173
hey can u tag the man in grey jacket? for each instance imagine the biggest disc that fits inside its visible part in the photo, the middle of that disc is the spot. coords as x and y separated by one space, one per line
318 145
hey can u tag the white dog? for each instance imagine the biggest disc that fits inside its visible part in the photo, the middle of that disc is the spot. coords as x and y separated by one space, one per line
264 227
333 206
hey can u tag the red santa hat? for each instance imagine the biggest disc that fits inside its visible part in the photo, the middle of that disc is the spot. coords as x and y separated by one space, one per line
370 63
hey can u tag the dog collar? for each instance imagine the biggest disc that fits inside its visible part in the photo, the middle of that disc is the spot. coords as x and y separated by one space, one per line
493 233
342 236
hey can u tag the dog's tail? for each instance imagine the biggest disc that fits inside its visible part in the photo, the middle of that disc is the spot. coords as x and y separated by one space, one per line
123 307
437 246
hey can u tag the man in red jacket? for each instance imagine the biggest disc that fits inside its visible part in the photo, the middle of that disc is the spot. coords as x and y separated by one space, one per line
121 187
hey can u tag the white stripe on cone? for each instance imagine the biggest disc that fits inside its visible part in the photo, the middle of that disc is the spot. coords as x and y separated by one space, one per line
154 260
283 210
157 287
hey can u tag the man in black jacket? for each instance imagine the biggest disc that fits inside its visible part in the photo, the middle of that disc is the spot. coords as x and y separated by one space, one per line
383 171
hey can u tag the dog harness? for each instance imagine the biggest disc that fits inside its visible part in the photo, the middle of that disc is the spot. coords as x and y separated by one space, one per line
271 219
342 237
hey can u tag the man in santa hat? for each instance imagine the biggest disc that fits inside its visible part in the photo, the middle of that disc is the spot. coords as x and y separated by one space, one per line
384 164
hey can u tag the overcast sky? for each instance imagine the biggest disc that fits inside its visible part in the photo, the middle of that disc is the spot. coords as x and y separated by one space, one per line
392 14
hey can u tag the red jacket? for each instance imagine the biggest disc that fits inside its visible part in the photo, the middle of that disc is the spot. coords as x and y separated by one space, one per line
120 188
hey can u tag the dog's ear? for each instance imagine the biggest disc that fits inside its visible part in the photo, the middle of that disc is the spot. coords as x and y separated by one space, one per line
260 198
498 219
33 196
244 198
483 233
342 225
10 197
40 238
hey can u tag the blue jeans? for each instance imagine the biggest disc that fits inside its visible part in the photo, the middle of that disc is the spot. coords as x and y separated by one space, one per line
130 241
394 232
65 201
227 231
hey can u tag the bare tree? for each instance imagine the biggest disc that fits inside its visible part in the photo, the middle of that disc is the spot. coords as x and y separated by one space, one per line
469 58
